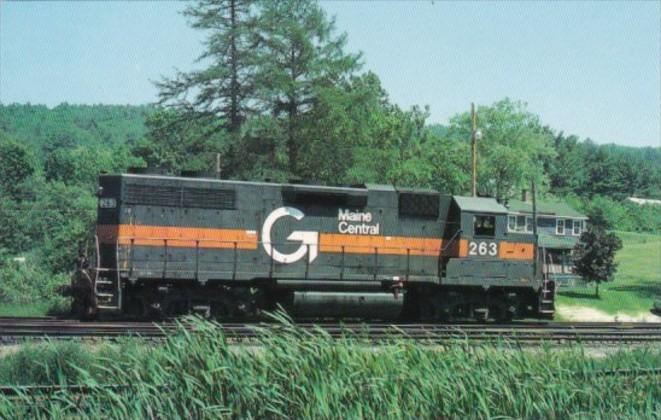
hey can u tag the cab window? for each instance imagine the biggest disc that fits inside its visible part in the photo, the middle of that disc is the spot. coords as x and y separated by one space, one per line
484 226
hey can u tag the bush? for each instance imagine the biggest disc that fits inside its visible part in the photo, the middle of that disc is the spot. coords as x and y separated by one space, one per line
620 215
24 283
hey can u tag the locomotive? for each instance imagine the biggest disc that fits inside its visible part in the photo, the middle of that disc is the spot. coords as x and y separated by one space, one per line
168 245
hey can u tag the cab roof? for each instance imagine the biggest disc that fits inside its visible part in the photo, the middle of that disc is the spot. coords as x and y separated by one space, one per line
479 205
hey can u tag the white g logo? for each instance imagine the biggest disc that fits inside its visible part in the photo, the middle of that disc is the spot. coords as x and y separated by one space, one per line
308 239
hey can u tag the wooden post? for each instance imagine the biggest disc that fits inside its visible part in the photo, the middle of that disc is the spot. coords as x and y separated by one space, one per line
473 151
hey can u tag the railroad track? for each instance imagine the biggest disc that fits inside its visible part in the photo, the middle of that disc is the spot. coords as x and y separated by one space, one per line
16 330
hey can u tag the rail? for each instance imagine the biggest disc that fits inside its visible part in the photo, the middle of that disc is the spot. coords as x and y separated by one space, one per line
13 330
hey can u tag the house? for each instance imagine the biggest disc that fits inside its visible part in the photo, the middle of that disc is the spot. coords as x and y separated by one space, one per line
559 227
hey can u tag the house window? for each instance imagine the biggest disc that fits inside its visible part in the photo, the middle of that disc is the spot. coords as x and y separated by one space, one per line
519 224
578 227
559 227
511 223
484 226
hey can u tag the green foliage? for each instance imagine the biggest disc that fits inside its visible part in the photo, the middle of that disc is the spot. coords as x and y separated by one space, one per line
17 164
300 55
622 215
174 143
82 165
513 148
594 255
226 87
295 375
25 283
636 283
589 170
46 129
48 363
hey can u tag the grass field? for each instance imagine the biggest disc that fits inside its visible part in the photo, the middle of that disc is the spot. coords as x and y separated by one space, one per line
295 375
637 282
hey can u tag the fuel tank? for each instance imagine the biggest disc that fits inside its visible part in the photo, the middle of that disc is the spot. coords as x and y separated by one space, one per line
346 304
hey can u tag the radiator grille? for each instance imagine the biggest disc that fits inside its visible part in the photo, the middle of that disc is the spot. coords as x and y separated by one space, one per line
204 198
419 205
153 195
209 199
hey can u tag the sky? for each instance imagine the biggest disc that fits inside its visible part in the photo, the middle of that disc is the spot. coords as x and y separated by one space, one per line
586 68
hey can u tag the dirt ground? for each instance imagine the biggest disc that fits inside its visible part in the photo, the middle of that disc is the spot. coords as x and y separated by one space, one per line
585 314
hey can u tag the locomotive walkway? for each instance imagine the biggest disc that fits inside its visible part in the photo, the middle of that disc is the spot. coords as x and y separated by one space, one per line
15 330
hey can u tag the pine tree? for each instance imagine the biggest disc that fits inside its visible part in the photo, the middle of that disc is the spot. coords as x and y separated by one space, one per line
225 88
301 53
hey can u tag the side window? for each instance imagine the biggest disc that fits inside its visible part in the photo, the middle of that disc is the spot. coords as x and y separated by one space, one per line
484 226
528 224
559 227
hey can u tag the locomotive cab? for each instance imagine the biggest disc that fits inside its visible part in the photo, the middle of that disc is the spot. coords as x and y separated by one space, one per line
491 273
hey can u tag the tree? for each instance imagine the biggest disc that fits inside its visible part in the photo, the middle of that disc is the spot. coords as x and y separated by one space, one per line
17 164
513 149
174 144
225 88
300 54
594 256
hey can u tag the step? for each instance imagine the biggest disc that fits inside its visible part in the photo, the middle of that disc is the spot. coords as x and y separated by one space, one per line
106 307
105 282
99 294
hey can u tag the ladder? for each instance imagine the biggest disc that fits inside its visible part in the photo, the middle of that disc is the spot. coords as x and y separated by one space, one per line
547 296
107 284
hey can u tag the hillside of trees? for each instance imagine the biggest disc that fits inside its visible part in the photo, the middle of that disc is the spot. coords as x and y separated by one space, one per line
281 100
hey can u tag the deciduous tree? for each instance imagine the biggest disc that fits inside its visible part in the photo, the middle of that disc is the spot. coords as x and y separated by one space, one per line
594 256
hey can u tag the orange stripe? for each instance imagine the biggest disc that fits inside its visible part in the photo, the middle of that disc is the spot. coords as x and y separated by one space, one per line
185 237
189 237
516 251
390 245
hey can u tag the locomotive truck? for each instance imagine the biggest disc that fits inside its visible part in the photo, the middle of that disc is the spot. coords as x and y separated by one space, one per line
231 249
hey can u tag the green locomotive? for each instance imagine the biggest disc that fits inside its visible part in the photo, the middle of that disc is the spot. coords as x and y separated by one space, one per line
230 249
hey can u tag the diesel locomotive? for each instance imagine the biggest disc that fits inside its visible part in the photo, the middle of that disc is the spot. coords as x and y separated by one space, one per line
232 249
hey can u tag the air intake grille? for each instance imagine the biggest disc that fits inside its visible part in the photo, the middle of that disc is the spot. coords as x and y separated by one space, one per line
419 205
209 199
204 198
153 195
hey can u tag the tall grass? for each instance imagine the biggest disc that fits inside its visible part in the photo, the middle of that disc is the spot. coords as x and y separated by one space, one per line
294 374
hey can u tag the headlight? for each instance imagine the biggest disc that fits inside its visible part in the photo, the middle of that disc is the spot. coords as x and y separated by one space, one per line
107 203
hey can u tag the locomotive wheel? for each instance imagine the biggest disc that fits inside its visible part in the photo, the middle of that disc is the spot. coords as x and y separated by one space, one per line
135 308
223 309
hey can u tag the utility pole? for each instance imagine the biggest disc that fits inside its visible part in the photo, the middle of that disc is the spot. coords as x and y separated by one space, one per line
218 166
474 136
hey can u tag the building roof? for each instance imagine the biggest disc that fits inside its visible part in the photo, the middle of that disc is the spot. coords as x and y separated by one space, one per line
557 241
642 201
479 204
557 209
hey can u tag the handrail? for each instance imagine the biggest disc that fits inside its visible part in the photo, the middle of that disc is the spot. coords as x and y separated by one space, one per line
441 254
231 243
456 234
